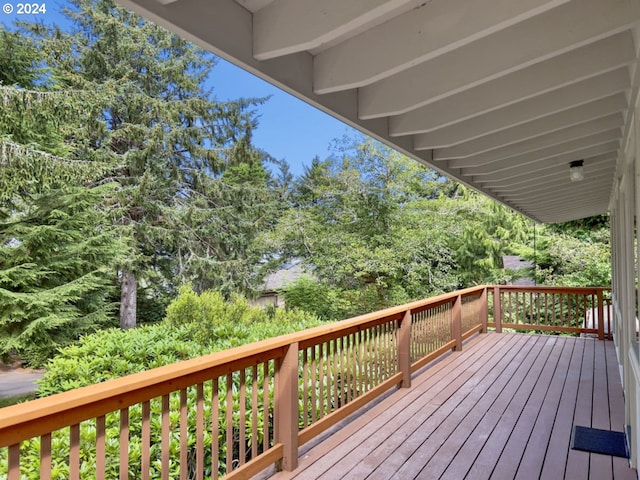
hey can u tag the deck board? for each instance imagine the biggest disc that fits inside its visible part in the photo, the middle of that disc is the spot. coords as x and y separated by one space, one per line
504 407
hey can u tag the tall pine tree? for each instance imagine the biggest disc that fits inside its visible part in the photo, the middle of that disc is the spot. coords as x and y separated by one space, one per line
182 155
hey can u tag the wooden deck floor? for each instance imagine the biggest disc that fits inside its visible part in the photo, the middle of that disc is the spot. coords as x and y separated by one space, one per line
502 408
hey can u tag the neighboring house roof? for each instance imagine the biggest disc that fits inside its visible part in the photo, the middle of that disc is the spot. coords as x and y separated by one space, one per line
287 275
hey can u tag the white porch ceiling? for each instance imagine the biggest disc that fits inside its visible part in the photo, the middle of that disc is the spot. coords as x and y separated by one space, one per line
499 94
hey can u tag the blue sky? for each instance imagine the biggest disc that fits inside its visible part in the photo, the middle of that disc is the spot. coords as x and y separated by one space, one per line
289 128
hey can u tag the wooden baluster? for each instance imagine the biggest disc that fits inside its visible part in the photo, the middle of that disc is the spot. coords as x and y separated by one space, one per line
229 422
165 437
266 406
215 428
45 457
306 402
184 435
100 447
336 391
146 440
314 386
254 412
200 431
14 462
74 452
350 367
124 444
243 417
323 379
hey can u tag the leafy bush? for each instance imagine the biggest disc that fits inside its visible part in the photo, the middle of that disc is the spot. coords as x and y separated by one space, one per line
196 324
328 303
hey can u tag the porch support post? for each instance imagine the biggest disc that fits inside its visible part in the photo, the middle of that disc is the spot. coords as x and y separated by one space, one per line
600 313
404 349
286 404
456 323
497 311
484 309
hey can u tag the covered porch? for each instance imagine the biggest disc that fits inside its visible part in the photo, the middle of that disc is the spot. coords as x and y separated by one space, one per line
503 407
423 390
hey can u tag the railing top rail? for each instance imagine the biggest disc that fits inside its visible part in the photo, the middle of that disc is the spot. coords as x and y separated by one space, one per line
543 288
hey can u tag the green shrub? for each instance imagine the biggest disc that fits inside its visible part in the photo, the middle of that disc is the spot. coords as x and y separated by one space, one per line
196 324
328 303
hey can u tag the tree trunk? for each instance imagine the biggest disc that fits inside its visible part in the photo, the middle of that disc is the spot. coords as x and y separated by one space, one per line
128 300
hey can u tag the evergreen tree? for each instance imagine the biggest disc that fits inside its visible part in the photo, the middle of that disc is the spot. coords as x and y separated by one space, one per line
56 283
173 143
362 226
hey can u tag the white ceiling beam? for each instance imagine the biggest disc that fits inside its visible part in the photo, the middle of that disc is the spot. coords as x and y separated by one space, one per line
593 94
518 161
535 129
559 137
452 112
290 26
557 176
543 177
580 203
566 69
558 187
584 195
594 169
514 177
437 27
563 214
538 200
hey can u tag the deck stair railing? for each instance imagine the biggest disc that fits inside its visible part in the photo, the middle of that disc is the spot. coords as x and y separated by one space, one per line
236 412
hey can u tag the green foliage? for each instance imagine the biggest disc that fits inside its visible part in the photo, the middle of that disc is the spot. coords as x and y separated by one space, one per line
327 303
480 233
19 59
56 277
196 324
120 100
575 258
8 401
378 229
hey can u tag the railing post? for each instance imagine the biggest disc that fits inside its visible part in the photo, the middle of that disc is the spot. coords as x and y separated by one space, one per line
497 311
600 315
286 406
404 349
456 323
484 309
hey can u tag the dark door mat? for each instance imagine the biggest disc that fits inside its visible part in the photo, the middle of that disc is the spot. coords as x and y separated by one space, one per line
595 440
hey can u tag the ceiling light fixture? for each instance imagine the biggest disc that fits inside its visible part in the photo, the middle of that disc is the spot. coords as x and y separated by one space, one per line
576 170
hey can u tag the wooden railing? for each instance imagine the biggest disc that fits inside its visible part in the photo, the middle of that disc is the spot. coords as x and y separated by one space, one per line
236 412
553 309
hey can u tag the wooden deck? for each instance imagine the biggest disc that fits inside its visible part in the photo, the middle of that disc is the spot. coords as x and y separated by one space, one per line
502 408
